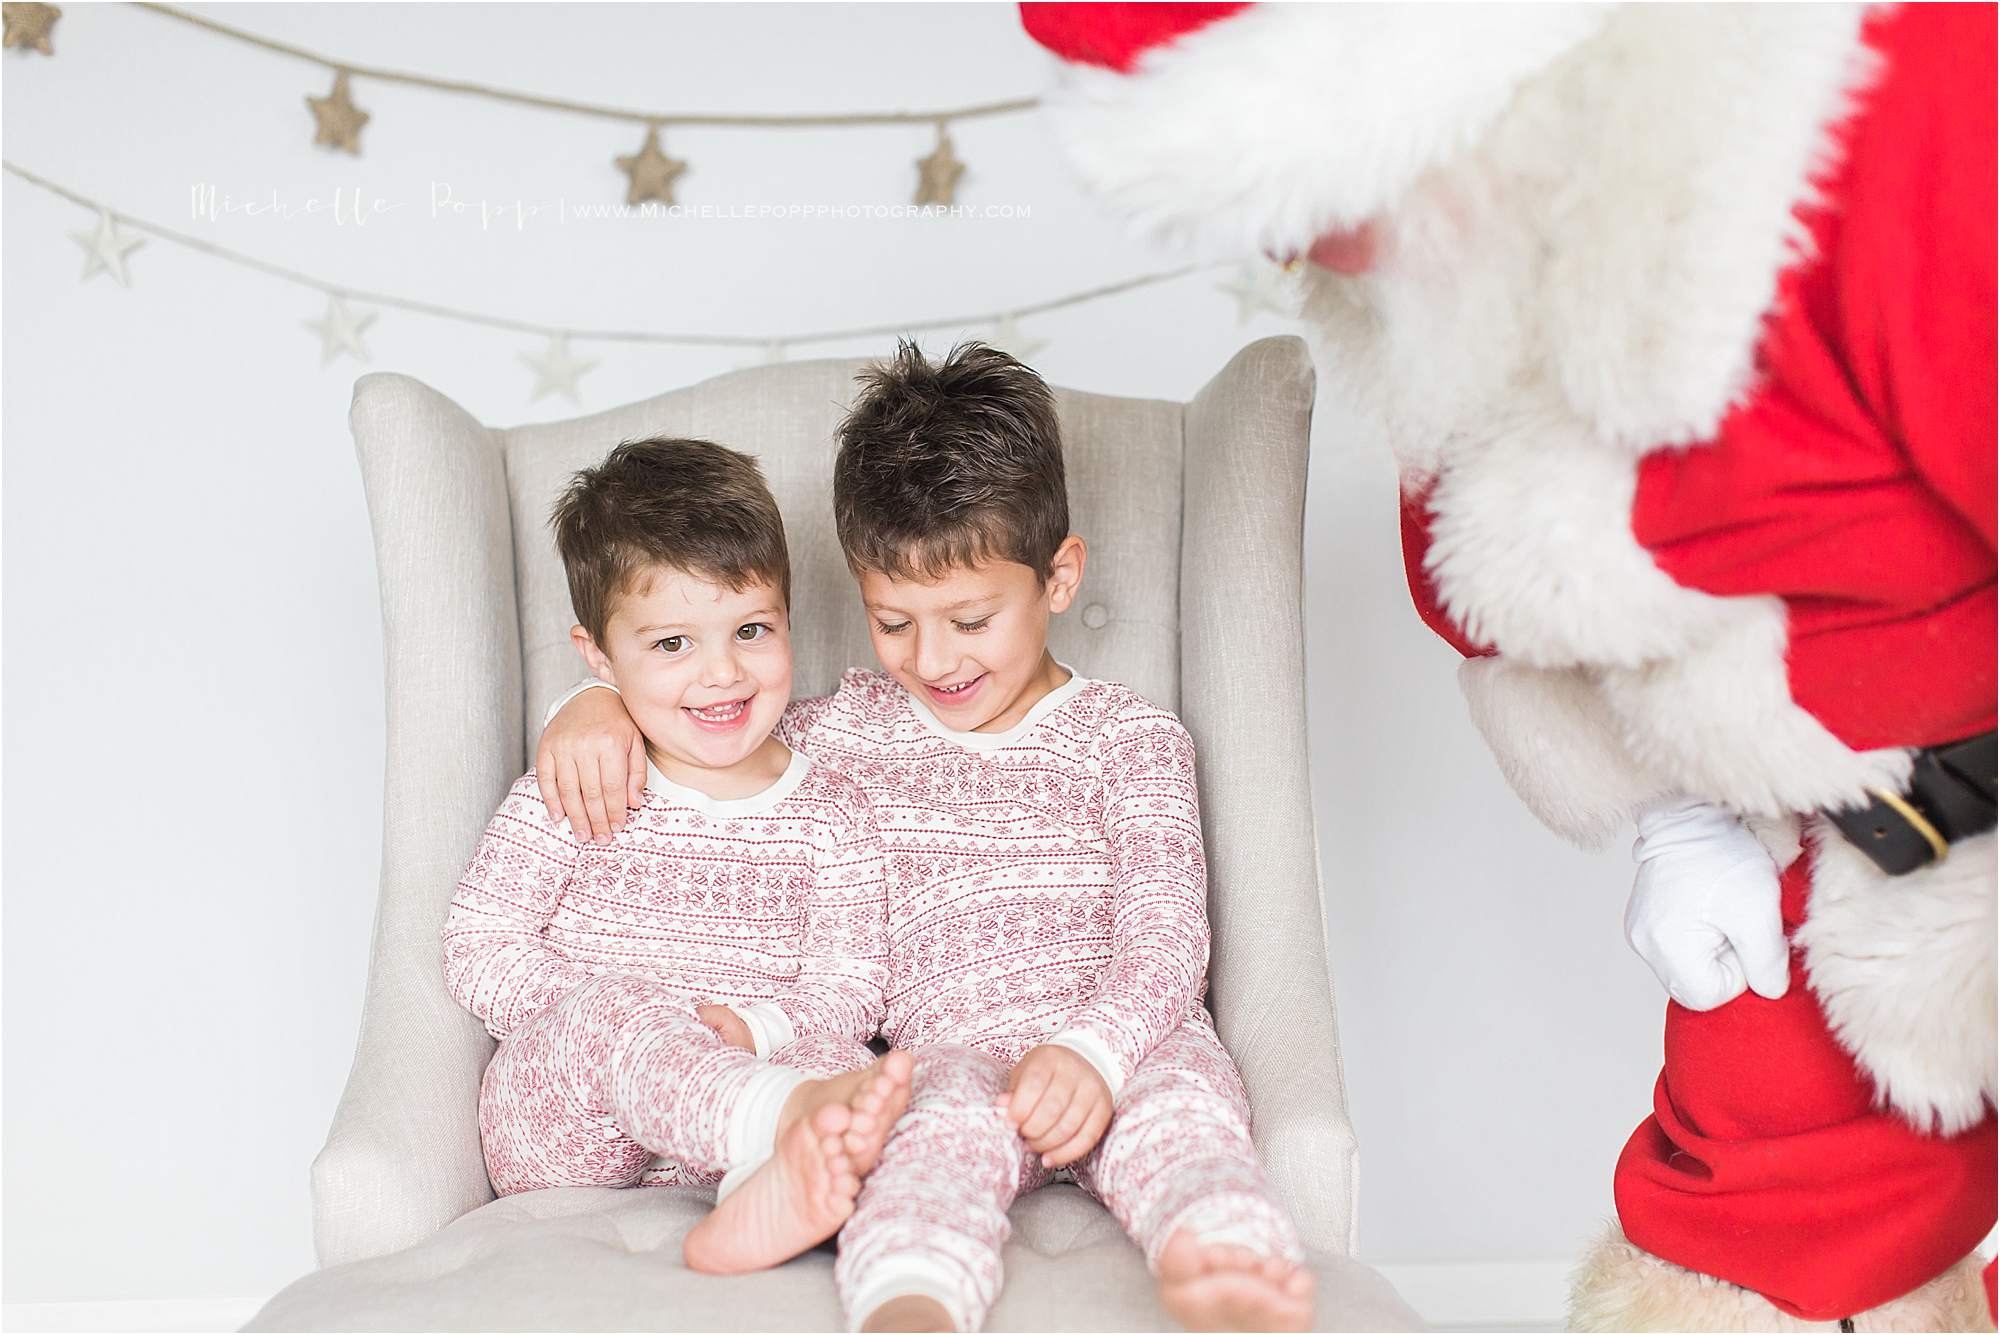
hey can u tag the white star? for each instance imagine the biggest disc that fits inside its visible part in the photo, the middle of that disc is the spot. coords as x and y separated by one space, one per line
1009 338
555 370
106 247
1259 288
340 330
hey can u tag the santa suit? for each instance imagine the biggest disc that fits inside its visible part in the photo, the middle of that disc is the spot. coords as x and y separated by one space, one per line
1681 322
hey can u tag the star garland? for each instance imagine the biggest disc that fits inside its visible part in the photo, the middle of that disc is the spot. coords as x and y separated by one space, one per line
650 173
557 369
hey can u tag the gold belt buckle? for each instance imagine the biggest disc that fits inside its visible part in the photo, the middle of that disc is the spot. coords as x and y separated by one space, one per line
1915 819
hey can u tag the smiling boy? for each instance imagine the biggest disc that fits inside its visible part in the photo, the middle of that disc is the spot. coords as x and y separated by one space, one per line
1048 928
636 988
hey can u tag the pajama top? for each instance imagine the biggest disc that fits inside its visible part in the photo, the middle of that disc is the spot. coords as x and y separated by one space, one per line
772 905
1047 883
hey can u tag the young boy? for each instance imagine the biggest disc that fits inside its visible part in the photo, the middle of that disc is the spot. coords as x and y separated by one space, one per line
637 988
1048 921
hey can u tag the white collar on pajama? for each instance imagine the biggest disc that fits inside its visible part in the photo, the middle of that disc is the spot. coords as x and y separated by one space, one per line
993 741
752 805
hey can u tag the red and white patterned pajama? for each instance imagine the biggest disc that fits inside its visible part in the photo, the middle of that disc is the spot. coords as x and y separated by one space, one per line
587 963
1047 886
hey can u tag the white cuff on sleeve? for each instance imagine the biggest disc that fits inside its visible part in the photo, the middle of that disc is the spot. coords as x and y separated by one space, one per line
1087 1045
770 1029
586 684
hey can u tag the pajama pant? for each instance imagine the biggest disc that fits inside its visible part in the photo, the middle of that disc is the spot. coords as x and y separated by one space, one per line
619 1084
933 1215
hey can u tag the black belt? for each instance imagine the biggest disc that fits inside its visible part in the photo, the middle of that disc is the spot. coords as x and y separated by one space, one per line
1950 797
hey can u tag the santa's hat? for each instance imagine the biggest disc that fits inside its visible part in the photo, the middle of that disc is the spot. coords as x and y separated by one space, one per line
1265 126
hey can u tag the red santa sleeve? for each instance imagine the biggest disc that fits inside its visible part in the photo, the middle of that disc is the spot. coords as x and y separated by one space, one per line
1856 480
1416 519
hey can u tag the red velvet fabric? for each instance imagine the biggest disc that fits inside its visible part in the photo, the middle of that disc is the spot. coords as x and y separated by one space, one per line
1115 35
1766 1163
1857 482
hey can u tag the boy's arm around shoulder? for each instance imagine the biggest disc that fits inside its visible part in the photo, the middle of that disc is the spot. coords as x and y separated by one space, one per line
844 937
1159 946
496 963
591 760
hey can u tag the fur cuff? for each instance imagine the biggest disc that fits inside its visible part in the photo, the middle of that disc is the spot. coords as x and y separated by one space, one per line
1558 746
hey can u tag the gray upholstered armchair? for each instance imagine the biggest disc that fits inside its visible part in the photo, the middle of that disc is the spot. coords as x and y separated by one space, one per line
1193 515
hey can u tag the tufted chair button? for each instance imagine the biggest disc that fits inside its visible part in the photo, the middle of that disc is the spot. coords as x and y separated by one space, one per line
1096 615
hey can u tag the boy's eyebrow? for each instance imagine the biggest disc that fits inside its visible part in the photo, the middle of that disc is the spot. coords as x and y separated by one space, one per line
958 606
770 611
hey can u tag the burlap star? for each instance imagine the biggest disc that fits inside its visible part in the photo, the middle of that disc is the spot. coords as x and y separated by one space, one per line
650 171
937 175
28 26
339 121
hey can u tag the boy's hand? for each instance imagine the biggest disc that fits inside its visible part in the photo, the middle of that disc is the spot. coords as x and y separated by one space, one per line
728 1025
1058 1103
591 766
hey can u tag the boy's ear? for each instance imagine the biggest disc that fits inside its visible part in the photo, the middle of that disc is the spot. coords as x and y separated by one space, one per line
599 664
1066 572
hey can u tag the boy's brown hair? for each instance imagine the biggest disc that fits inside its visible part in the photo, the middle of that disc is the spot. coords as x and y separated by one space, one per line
946 464
689 504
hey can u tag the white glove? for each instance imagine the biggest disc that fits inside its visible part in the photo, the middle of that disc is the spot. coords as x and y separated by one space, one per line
1704 907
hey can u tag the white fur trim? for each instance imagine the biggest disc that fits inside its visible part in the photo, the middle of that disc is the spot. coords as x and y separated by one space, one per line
1904 968
1264 129
1609 249
1559 747
1618 1286
1719 721
1532 552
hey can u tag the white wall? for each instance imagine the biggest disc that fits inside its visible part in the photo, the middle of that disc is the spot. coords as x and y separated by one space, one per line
193 716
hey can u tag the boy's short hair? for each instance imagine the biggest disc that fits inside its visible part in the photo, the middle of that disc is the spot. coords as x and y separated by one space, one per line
691 505
946 464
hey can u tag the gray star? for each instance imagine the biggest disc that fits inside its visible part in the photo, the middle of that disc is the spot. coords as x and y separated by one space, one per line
1258 288
340 330
106 245
556 371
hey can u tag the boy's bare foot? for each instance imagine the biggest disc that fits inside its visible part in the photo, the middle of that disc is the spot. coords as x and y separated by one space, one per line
798 1199
1211 1286
875 1096
911 1312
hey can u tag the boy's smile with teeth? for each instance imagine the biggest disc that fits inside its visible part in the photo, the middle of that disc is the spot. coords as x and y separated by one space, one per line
705 670
972 644
730 711
957 690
